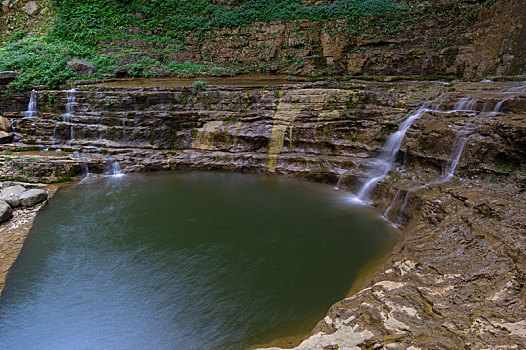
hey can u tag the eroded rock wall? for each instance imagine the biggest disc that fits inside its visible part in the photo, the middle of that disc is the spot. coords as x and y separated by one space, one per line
455 280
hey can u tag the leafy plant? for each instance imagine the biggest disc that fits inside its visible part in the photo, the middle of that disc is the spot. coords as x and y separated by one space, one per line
198 86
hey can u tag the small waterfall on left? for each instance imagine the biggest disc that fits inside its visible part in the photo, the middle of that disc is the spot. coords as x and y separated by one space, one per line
32 111
113 167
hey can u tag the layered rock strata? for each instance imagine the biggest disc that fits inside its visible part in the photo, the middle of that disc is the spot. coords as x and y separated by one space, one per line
455 280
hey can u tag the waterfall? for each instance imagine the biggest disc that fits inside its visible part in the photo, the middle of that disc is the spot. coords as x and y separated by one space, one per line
71 102
71 135
113 168
404 205
32 106
386 214
382 164
85 170
340 177
460 143
466 104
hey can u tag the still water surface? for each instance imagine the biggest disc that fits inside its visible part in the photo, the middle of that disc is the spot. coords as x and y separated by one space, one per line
185 261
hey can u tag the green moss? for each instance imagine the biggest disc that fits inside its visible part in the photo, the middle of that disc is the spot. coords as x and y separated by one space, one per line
507 168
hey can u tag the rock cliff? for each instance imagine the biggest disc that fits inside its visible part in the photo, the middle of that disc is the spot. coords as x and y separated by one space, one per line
457 188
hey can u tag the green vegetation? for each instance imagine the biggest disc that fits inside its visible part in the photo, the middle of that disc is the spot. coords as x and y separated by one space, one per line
198 86
81 29
96 20
43 61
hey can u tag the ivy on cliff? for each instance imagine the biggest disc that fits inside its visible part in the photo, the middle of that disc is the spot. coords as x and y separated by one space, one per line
96 20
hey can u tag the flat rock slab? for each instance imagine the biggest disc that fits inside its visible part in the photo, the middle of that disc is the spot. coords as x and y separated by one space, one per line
12 195
5 210
32 197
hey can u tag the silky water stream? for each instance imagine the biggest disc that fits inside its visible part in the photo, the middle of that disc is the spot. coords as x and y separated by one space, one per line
197 260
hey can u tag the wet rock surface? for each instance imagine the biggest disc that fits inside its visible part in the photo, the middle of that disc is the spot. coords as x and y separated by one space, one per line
455 280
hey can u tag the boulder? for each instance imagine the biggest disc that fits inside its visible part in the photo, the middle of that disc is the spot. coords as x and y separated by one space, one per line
12 195
5 137
5 211
5 124
81 67
31 8
32 197
8 76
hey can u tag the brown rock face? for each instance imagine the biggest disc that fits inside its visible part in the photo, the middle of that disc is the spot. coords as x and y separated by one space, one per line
450 38
5 124
456 278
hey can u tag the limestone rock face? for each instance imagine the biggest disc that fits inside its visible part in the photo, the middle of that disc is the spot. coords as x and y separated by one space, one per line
8 76
11 195
463 256
5 211
31 8
5 137
5 124
81 67
32 197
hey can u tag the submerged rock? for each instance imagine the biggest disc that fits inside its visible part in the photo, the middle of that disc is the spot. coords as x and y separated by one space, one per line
12 195
32 197
5 211
81 67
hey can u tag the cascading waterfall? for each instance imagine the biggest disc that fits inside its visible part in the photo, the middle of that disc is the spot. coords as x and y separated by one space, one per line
71 135
386 214
382 164
32 111
340 172
71 102
465 104
113 168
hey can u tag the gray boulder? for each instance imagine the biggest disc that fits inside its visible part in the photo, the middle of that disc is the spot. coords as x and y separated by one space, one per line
12 195
32 197
5 211
81 67
8 76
